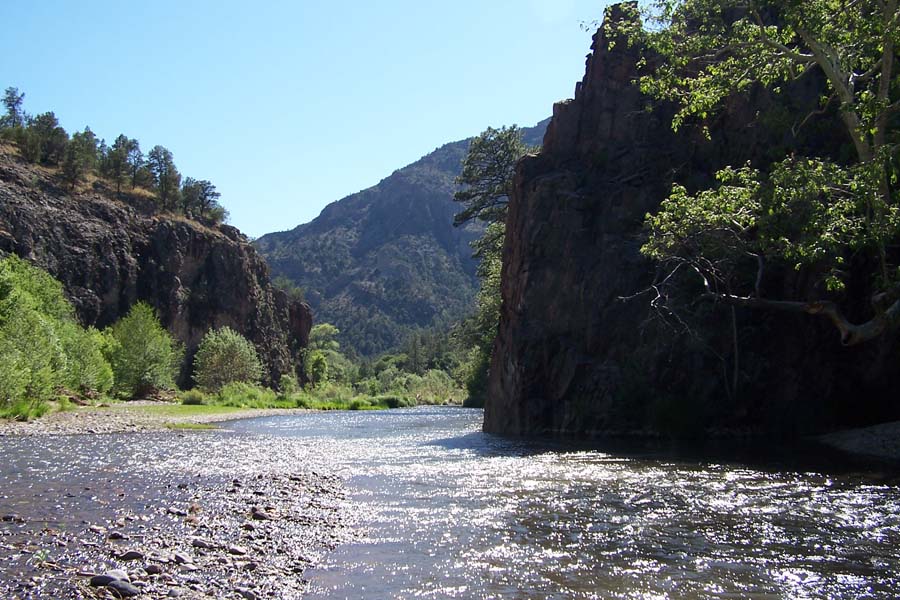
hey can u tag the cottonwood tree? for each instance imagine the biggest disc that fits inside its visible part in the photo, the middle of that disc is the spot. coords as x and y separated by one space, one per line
811 212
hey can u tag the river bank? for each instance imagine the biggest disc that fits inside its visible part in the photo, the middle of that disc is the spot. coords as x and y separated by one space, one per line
130 417
157 515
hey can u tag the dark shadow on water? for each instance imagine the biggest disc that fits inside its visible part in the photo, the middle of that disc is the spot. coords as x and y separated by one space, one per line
759 454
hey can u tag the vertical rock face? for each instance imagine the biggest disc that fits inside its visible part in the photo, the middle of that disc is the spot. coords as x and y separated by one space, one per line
109 256
574 357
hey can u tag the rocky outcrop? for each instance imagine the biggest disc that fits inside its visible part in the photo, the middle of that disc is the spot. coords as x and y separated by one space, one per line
110 254
575 356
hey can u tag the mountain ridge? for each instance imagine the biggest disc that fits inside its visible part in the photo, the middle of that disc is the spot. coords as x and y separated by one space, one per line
387 260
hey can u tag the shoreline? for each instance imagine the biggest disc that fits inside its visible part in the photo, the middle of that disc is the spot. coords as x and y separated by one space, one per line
139 416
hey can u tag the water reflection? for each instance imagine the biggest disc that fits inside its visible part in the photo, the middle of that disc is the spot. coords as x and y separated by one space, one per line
453 513
448 512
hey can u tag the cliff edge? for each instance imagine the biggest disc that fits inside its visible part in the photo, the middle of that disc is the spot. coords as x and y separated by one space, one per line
581 352
110 254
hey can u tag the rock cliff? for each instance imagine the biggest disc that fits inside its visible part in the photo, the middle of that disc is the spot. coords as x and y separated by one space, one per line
575 356
109 255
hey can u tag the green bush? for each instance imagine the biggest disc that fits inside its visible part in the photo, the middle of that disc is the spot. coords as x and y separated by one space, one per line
42 347
144 357
245 395
193 398
225 356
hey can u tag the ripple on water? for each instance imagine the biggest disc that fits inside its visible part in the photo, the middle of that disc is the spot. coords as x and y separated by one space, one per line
449 512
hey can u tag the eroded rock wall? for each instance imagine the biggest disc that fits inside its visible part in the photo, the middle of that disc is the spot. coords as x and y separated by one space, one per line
575 356
109 255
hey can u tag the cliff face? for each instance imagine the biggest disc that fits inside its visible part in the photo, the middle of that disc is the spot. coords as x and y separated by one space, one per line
109 255
573 357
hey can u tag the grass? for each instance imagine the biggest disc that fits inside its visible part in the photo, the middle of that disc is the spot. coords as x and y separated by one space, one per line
191 426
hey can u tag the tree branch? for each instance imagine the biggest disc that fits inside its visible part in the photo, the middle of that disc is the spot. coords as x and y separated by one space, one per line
851 334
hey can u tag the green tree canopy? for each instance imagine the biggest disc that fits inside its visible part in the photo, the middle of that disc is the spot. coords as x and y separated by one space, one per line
144 356
166 178
800 212
225 356
12 102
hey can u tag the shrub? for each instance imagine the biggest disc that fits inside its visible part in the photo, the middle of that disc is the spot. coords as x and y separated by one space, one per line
143 355
287 385
225 356
193 398
42 347
245 395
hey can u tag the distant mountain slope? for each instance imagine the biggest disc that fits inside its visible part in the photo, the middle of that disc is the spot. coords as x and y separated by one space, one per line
387 260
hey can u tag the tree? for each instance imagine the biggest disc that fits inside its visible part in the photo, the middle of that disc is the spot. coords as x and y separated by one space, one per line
225 356
807 212
143 355
80 157
166 178
136 161
487 175
316 367
117 165
12 102
198 197
44 140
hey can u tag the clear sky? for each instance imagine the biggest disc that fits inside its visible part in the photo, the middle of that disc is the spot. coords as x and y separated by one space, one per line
289 105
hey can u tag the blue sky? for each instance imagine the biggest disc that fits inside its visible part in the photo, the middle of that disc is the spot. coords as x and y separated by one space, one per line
287 106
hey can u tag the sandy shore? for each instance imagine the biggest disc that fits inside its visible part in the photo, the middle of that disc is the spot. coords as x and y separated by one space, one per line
123 418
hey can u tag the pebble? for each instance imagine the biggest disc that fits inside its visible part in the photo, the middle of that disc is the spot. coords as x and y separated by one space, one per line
153 570
182 559
119 574
117 535
12 518
246 594
101 580
202 544
123 588
237 550
131 555
259 514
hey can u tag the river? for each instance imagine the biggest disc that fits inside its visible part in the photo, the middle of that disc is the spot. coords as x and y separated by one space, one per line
443 510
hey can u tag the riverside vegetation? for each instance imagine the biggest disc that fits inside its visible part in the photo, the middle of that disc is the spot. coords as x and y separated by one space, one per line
48 360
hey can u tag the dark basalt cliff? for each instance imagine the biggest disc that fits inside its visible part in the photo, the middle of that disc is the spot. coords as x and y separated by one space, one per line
572 357
109 255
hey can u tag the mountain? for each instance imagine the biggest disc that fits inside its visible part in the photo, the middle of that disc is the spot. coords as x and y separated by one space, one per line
580 351
385 261
109 254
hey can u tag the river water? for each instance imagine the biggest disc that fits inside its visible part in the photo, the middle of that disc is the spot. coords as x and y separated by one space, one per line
449 512
446 511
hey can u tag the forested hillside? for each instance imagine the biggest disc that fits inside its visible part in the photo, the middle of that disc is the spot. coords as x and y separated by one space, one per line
387 261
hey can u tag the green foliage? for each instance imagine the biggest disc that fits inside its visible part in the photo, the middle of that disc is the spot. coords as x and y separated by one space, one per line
166 178
199 198
798 211
80 157
193 398
293 291
316 365
487 175
246 395
225 356
42 347
15 117
143 355
488 172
